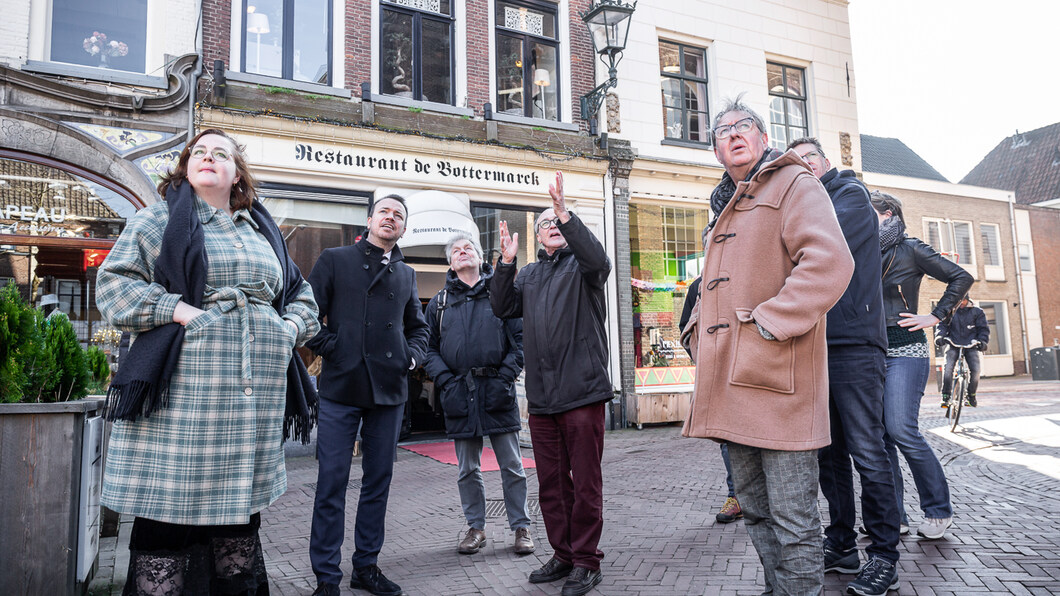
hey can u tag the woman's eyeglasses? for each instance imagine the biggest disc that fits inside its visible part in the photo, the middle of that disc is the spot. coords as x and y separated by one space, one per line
218 154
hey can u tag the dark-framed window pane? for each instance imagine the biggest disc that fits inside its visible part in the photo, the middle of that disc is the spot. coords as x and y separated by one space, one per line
683 79
787 105
396 76
288 39
443 7
311 41
437 62
102 33
543 67
510 75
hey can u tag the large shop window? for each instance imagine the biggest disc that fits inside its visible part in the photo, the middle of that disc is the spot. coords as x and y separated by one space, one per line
527 65
288 39
787 104
417 50
100 33
666 256
57 224
683 76
521 221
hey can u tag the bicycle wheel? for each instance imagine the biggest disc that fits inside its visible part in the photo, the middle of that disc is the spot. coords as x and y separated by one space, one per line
956 402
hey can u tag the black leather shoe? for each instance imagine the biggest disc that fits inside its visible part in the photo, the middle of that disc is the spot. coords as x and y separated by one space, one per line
551 571
327 590
372 580
581 581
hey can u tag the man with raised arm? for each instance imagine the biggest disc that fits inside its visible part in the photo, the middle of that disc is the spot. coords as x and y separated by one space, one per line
561 299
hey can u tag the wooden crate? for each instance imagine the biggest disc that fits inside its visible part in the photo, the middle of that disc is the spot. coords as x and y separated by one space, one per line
653 408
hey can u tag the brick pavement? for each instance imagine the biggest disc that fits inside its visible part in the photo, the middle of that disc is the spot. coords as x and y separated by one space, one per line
661 493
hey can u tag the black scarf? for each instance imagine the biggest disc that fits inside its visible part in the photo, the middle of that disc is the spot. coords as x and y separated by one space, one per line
892 231
141 386
727 187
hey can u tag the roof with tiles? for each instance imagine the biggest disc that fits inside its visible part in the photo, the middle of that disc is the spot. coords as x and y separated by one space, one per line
1027 163
891 156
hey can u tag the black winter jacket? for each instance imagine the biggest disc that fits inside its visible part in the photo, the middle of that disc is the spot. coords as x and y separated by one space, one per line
561 299
905 264
965 325
476 402
857 319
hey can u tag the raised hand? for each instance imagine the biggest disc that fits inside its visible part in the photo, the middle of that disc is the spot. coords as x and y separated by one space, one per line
559 202
509 244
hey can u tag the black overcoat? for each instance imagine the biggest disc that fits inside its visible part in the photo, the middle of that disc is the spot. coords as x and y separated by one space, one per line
374 325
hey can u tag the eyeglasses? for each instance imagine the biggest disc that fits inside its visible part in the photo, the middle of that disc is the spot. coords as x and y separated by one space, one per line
547 223
811 155
741 126
218 154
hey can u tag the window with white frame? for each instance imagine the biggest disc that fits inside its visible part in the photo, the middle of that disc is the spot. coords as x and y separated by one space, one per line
416 55
787 104
288 39
101 33
990 238
683 77
997 320
1026 263
527 46
953 239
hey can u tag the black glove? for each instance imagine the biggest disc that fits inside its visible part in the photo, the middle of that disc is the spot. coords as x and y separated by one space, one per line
980 346
940 341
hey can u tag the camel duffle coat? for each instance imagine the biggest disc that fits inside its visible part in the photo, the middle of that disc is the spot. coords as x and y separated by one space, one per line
776 256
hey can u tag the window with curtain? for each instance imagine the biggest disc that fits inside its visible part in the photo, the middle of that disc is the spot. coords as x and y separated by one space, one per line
991 240
416 50
288 39
527 65
951 238
787 104
683 78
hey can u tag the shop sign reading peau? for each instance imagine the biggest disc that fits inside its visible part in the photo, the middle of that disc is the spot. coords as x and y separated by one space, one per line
23 219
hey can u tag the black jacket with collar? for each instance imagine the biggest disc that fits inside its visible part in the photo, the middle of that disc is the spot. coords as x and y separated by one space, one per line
905 264
561 299
857 319
967 324
375 326
470 336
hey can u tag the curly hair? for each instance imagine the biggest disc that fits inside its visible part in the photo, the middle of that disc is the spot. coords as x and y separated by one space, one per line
243 192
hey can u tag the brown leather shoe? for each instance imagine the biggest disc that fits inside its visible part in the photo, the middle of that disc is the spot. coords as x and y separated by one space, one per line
473 542
524 545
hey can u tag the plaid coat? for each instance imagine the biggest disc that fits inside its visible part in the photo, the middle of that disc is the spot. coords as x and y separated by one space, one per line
214 456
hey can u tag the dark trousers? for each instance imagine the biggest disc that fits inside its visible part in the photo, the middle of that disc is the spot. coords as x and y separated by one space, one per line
855 406
568 448
971 356
336 434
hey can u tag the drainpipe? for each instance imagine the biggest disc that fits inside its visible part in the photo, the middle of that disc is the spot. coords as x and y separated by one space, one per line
1019 285
193 79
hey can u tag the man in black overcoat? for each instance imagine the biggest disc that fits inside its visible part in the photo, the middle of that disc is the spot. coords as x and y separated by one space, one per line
373 335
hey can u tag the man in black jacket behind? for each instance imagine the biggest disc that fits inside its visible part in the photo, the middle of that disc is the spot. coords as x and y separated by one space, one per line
967 325
561 298
474 359
857 347
375 333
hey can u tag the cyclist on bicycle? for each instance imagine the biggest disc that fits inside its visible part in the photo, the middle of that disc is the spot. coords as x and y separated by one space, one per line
965 326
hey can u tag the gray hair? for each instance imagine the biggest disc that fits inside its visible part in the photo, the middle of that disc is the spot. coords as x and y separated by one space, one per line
808 141
737 105
457 237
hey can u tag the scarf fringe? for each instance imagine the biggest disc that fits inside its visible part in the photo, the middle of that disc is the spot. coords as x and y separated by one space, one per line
134 399
299 427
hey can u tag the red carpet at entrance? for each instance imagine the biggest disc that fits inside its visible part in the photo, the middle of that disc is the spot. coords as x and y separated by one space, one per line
445 452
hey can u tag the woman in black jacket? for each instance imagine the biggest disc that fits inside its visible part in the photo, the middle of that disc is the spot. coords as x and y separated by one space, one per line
906 261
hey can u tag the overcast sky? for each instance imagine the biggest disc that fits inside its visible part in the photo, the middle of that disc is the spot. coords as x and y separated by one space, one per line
952 78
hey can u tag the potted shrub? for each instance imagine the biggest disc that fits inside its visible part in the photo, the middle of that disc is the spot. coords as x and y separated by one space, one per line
50 438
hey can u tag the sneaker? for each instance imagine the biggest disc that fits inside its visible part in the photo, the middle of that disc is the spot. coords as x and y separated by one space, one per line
730 511
934 528
841 561
878 577
903 529
524 544
551 571
945 400
581 581
970 401
472 542
370 579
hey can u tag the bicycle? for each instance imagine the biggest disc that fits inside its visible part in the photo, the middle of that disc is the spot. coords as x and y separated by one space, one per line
959 388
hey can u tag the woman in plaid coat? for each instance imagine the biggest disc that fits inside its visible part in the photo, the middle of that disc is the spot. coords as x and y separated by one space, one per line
201 408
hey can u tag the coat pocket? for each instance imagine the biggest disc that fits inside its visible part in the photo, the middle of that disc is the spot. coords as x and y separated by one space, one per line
202 321
761 363
454 398
500 395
